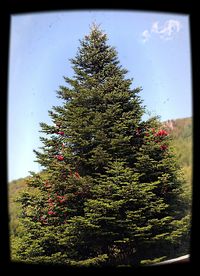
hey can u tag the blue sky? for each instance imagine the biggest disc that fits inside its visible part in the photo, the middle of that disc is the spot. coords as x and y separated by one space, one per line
154 47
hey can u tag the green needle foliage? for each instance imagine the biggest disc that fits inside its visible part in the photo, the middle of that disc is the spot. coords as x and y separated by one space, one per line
110 192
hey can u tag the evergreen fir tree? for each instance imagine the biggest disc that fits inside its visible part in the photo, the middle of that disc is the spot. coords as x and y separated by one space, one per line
110 193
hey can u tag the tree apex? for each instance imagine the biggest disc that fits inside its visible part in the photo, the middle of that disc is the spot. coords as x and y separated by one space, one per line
94 26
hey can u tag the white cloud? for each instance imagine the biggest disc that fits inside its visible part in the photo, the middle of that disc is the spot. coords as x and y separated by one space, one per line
166 32
154 28
146 36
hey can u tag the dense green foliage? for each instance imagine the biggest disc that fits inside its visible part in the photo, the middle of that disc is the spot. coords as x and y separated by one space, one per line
111 189
183 150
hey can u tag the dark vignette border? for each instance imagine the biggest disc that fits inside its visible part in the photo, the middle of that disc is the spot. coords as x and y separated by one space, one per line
14 7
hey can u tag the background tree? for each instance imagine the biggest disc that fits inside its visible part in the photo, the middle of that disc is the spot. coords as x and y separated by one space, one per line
110 193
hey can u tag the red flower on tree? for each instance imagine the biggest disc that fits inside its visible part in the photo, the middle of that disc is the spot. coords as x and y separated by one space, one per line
60 132
137 131
51 212
61 199
163 147
77 175
161 132
60 157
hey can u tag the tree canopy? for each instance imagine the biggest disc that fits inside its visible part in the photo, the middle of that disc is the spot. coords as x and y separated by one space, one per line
111 189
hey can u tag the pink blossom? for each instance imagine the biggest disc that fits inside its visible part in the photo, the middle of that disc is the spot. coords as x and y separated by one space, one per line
163 147
51 212
161 133
60 157
61 132
77 175
62 200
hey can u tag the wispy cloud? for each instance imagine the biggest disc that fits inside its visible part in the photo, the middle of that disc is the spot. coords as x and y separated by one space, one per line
166 31
146 36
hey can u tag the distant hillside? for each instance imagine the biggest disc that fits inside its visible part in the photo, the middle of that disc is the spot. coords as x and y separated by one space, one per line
181 132
14 188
